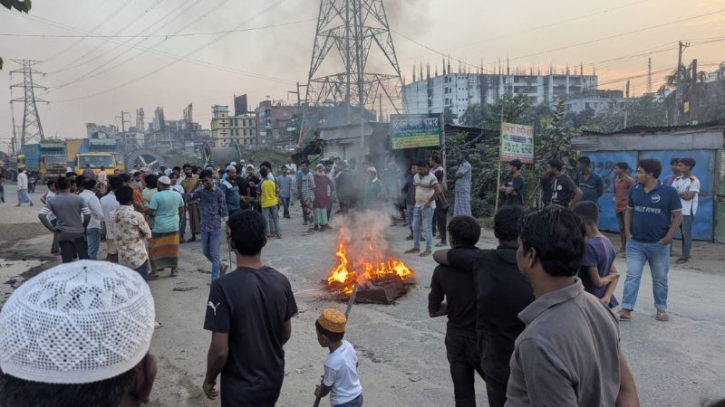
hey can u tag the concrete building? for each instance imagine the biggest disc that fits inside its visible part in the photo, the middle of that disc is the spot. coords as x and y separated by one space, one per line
273 119
457 91
597 100
225 128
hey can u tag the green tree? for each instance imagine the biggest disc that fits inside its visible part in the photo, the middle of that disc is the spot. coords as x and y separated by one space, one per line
448 116
473 116
22 6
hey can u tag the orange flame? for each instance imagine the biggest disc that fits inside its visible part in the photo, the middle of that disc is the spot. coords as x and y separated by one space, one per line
368 266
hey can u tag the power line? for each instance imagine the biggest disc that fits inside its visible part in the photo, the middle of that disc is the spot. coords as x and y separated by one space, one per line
617 35
580 17
94 29
132 22
159 35
151 73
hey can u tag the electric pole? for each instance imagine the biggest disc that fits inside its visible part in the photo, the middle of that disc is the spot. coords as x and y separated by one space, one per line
649 76
679 77
693 93
32 128
123 120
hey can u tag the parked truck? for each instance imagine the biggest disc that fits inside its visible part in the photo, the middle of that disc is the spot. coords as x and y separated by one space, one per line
48 159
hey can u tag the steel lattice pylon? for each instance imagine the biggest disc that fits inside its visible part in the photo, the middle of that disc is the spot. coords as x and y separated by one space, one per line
32 128
353 27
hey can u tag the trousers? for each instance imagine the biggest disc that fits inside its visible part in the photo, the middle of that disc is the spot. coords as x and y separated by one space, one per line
210 248
94 242
658 257
686 229
70 249
422 220
465 362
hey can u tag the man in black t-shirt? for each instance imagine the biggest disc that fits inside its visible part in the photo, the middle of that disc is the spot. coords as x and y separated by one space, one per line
456 286
501 293
249 313
514 188
564 191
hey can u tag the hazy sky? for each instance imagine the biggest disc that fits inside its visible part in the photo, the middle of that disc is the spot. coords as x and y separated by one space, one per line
93 79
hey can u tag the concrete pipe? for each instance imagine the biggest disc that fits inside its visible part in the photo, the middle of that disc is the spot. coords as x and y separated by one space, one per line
220 156
144 158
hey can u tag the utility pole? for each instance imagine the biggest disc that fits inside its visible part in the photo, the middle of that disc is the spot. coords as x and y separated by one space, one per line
649 76
123 120
693 93
32 128
679 77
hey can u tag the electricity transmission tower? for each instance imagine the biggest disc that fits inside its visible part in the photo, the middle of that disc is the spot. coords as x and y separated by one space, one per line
32 128
354 28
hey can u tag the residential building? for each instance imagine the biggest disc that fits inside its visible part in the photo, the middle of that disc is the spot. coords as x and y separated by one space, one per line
274 118
457 91
225 128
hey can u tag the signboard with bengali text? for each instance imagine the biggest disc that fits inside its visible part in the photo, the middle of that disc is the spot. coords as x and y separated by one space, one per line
517 142
416 130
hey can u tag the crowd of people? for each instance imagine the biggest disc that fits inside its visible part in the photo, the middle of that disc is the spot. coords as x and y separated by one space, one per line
533 317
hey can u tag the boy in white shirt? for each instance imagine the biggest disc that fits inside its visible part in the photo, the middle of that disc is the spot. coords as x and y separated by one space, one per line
688 187
340 380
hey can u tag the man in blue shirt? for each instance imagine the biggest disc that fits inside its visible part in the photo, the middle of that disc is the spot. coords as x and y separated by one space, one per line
654 214
589 182
213 209
231 190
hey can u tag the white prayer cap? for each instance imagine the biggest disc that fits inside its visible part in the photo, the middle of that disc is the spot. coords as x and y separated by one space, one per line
165 180
75 323
231 168
232 163
373 170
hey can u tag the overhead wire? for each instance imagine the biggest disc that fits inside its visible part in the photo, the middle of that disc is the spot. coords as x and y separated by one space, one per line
159 69
73 64
94 29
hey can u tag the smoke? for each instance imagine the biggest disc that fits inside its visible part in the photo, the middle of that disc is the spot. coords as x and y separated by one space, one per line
408 16
363 232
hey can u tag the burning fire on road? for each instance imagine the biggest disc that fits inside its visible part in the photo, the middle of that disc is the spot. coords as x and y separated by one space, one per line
363 259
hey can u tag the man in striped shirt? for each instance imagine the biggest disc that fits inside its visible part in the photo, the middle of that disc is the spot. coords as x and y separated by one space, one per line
72 217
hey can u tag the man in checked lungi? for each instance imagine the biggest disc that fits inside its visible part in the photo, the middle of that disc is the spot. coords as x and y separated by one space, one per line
166 207
191 183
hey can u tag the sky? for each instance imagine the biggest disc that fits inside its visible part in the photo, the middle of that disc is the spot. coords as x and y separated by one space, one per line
171 53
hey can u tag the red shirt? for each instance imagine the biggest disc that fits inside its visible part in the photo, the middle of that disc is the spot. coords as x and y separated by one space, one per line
621 192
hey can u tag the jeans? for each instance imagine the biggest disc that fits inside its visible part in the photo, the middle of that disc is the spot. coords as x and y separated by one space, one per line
143 270
94 242
423 218
70 249
356 402
658 257
409 216
210 248
441 219
285 205
465 361
271 213
686 229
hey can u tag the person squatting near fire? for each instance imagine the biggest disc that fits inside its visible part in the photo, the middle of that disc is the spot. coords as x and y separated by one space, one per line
426 190
484 286
69 368
340 380
249 313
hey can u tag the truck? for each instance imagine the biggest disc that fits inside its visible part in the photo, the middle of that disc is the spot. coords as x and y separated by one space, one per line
96 161
95 152
47 158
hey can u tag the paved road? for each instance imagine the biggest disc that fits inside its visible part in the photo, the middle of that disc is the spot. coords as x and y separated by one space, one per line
401 350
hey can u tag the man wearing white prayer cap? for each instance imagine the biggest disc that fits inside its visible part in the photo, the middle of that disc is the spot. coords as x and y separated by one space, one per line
78 334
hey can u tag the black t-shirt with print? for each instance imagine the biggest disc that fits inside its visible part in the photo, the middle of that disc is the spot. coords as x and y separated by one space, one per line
251 306
562 190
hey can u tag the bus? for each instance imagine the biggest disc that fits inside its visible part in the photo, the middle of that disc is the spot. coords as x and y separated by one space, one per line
96 161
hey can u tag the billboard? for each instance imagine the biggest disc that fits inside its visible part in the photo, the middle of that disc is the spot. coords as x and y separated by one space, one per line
416 130
517 141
